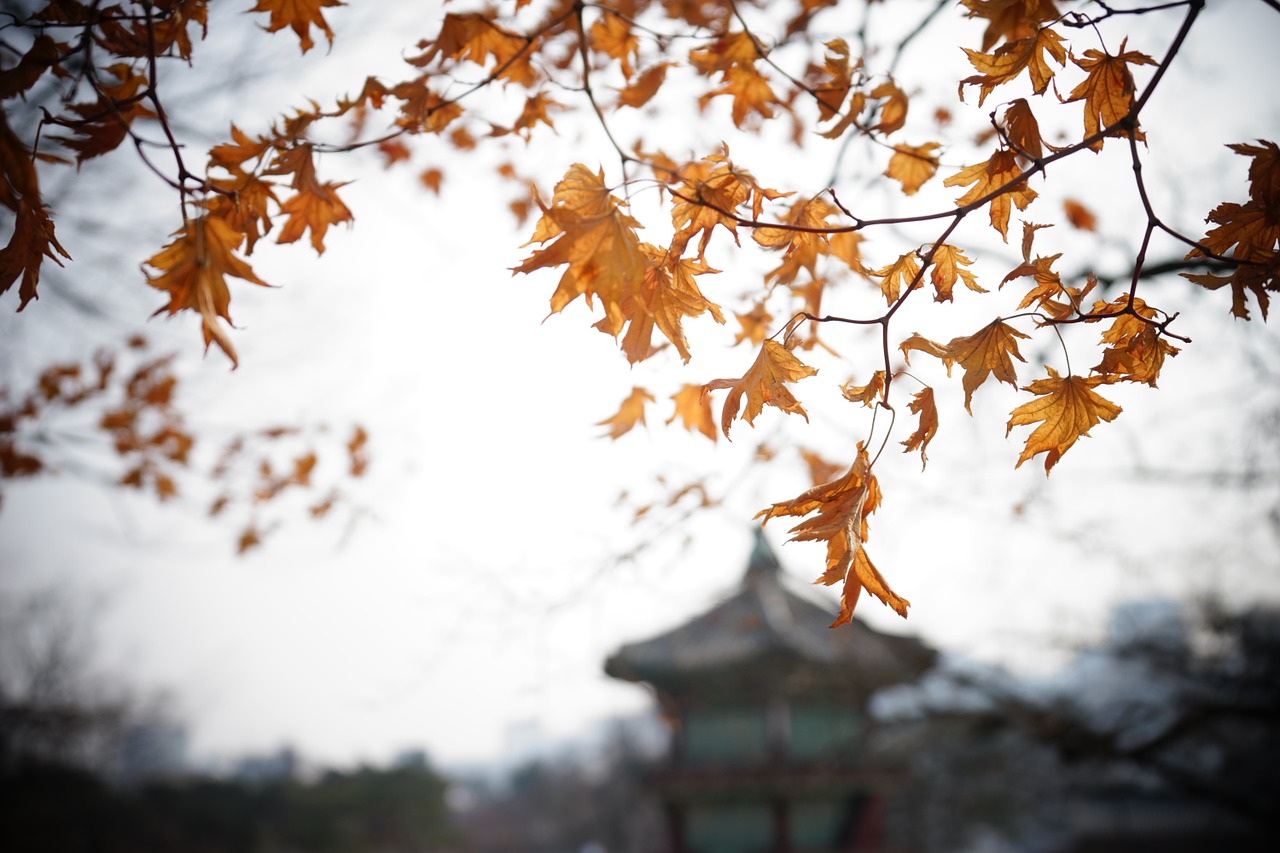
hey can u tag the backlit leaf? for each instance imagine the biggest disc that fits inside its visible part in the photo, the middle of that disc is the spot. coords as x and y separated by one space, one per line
923 404
996 174
1135 350
474 37
1023 130
644 87
763 384
949 266
912 166
1067 409
629 414
594 239
32 241
666 295
193 271
1108 90
987 352
693 409
839 512
300 16
893 109
867 395
1012 58
612 35
1079 216
902 273
1249 233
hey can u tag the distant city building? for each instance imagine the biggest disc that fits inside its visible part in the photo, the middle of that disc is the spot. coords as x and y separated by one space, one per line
411 758
151 751
768 713
280 766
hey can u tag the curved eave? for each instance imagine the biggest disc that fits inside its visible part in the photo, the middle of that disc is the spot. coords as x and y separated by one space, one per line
765 627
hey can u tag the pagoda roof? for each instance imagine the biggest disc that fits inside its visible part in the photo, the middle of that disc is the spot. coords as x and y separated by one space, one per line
771 637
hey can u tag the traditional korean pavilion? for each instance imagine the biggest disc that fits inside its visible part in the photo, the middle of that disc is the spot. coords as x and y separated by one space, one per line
767 706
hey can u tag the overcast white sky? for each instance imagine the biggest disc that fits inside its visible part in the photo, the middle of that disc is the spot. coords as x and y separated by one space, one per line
481 589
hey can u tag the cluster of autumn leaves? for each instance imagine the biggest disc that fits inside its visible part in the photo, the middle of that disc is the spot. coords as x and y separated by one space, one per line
100 61
541 55
134 395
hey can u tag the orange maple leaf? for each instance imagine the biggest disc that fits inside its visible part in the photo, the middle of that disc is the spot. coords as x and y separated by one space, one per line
904 272
693 408
803 248
708 195
422 110
840 511
1079 216
629 414
358 452
893 112
764 383
751 94
314 209
1023 130
1249 233
300 16
1067 409
922 404
594 239
611 34
1010 19
105 123
731 50
246 207
1014 57
231 155
474 36
846 245
32 241
755 325
1135 349
867 395
831 83
1048 286
666 295
165 29
1108 90
315 205
1264 172
857 103
1246 232
949 266
1049 294
431 179
990 350
193 270
535 111
913 165
42 55
1256 277
642 90
1029 230
821 470
1000 169
249 539
733 56
810 296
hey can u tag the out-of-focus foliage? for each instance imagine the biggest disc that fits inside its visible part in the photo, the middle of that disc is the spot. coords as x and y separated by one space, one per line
58 808
129 402
1176 714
